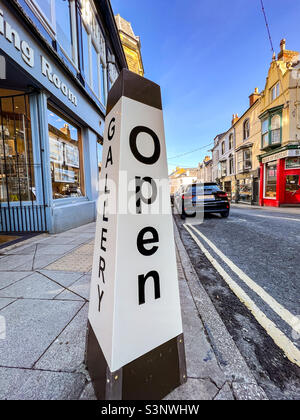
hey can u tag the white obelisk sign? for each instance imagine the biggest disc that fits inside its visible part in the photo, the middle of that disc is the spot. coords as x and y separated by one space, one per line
134 304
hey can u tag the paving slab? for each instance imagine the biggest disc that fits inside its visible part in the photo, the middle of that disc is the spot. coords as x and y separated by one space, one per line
47 249
13 262
31 327
35 286
225 394
5 301
82 286
194 389
41 261
65 278
67 352
10 277
68 295
19 384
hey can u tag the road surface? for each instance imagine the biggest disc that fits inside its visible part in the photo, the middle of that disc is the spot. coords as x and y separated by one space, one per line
249 265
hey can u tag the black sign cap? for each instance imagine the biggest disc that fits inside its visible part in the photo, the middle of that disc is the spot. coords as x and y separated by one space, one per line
135 87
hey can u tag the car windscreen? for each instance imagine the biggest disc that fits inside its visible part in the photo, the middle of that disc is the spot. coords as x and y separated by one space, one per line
203 189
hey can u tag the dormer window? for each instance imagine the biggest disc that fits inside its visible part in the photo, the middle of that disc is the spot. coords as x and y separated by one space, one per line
246 129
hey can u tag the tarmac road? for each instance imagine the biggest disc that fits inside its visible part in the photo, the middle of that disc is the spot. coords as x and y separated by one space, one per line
249 265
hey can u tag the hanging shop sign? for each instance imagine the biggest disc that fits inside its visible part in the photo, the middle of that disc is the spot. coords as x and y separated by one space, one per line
135 327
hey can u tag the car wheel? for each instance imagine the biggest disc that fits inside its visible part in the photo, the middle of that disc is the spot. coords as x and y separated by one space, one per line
225 214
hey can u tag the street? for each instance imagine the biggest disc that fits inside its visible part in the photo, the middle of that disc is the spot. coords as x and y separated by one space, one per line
253 280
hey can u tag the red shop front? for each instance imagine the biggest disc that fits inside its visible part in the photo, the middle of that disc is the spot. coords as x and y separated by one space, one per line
280 178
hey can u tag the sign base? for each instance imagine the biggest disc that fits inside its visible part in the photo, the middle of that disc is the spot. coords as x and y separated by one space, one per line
150 377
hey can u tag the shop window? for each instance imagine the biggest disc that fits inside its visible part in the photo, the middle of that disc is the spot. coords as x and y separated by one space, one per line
292 163
292 183
271 180
275 90
275 130
65 157
246 131
245 190
17 182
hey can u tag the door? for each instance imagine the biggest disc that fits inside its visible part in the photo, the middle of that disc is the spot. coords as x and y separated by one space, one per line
292 189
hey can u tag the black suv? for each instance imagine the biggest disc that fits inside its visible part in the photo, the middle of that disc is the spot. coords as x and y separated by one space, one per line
207 198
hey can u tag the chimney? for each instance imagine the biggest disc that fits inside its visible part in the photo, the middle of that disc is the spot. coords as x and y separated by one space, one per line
254 96
235 118
286 55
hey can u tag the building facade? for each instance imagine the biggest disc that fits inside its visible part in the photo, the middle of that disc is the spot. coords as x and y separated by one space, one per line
280 132
266 153
204 173
61 58
182 177
131 45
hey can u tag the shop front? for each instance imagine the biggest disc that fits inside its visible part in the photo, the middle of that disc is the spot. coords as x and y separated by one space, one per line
51 130
280 181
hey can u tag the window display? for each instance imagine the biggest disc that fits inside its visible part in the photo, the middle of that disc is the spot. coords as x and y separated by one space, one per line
271 180
65 157
16 158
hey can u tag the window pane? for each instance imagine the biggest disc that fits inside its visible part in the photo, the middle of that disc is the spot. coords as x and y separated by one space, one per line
86 57
271 180
95 71
64 26
65 157
265 126
102 81
275 123
275 136
45 7
266 140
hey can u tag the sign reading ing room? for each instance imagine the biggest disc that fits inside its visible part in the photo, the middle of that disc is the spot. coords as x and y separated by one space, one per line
28 55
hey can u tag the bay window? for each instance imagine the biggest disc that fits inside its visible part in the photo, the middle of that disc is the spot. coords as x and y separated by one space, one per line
271 127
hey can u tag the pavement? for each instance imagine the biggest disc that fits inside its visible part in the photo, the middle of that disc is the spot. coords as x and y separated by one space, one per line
44 293
252 278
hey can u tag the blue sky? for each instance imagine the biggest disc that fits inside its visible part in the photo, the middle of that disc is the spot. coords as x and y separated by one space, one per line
207 56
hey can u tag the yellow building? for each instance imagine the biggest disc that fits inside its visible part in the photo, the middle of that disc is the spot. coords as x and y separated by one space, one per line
131 45
280 131
247 149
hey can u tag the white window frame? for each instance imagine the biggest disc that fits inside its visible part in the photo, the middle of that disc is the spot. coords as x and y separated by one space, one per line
275 91
50 26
